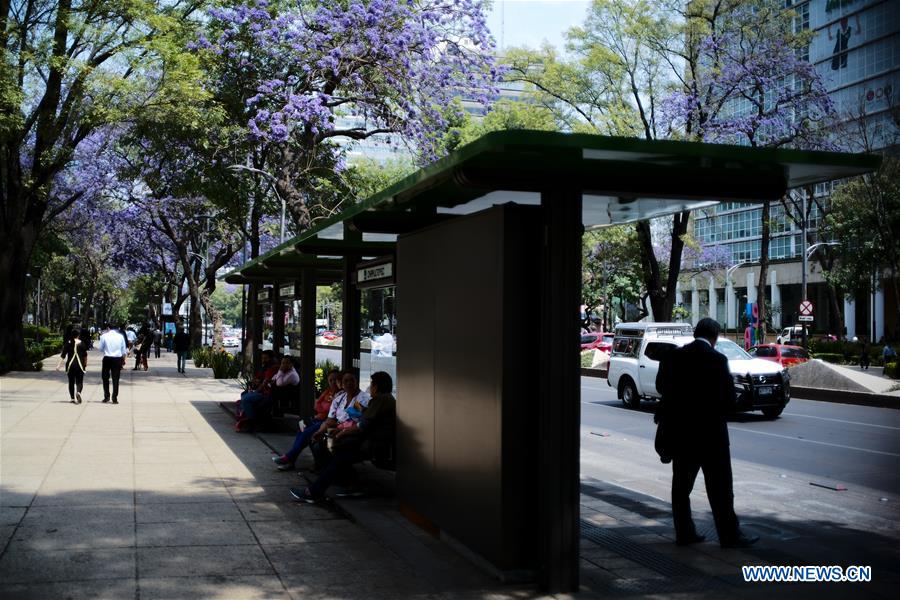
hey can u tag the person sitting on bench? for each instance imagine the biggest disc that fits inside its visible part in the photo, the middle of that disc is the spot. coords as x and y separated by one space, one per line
286 461
252 401
367 438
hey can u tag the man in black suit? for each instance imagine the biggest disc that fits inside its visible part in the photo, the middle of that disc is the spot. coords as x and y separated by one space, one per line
697 395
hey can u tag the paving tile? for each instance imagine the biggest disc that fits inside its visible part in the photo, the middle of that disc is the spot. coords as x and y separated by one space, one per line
194 533
188 489
287 510
202 561
66 565
275 533
65 497
87 515
74 535
11 515
107 589
226 588
174 512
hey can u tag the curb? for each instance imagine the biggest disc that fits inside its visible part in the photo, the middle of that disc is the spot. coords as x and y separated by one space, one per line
587 372
843 397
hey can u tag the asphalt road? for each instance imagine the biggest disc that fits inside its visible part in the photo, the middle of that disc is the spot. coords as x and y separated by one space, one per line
855 445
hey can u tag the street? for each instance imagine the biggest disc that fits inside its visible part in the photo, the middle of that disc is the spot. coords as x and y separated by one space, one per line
775 463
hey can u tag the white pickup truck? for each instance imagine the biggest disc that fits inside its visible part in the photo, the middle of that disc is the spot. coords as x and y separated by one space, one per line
634 363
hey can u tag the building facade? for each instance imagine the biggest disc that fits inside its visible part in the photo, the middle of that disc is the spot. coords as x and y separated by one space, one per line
856 51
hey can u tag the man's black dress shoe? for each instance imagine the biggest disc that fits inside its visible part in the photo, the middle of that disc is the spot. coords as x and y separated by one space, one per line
687 541
741 541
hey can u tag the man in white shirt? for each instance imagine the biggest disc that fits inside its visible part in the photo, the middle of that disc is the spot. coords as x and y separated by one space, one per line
114 349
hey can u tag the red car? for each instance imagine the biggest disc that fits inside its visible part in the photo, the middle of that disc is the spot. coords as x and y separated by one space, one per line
597 341
786 356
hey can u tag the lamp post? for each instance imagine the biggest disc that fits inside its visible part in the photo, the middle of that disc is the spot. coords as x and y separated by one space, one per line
271 178
806 254
732 297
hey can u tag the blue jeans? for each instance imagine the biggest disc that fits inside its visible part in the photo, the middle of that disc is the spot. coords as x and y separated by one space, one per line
303 438
251 401
182 359
339 468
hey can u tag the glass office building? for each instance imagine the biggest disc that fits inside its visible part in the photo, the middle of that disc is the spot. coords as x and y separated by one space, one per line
856 51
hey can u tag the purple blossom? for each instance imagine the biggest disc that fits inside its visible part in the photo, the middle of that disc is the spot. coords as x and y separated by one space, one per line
393 64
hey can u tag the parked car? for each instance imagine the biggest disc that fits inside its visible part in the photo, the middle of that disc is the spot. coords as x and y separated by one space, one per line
638 347
790 335
597 341
330 335
230 341
784 355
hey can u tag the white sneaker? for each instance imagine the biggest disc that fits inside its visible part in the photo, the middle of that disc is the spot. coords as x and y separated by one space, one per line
78 397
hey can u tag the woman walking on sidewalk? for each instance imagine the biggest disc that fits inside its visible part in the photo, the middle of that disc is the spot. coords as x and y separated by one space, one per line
74 356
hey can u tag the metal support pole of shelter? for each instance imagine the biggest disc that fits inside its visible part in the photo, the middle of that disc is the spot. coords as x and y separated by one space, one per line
277 320
257 326
560 391
308 341
352 309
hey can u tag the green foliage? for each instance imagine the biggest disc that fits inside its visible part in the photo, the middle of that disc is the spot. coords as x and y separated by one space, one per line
322 370
201 357
611 268
224 364
892 370
505 114
844 352
228 303
52 345
830 357
329 301
865 219
587 357
367 177
35 332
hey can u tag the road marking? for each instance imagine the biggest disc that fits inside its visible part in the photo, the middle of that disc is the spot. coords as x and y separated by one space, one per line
843 421
796 439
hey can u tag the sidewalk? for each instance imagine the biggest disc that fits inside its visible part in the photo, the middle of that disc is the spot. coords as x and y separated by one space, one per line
157 497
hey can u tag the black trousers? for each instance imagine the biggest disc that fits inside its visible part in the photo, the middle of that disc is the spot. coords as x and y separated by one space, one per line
76 380
716 465
112 367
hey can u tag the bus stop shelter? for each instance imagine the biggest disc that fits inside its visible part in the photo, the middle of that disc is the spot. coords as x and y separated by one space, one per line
484 248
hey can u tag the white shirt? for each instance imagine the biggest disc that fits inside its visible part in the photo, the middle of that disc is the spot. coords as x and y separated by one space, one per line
112 344
339 405
290 378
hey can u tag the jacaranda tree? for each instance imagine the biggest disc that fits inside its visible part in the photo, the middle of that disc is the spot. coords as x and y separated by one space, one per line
69 68
750 82
323 74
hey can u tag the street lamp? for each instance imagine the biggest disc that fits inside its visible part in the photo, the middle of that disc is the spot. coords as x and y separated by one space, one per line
732 297
271 178
806 254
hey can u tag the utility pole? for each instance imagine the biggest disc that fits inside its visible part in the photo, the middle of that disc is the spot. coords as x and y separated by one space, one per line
803 245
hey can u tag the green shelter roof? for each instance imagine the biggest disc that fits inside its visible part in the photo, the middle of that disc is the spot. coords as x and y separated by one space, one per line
621 179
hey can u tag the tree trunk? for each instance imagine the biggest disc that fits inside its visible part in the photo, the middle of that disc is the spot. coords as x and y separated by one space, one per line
196 324
763 271
837 325
15 253
214 315
662 299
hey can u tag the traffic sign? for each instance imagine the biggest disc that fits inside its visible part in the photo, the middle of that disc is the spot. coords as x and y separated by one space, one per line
805 318
806 307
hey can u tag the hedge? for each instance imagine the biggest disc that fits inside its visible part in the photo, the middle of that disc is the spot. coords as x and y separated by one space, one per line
892 370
